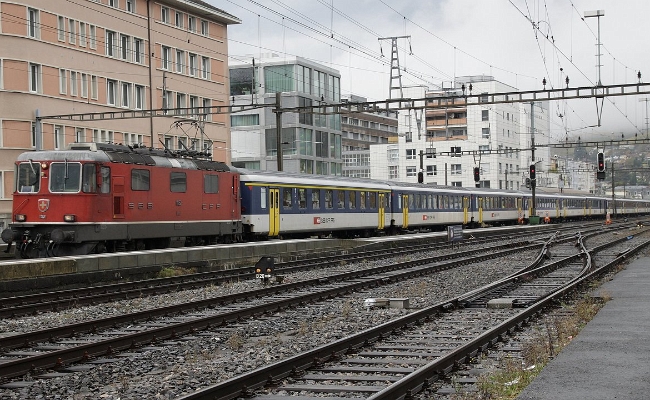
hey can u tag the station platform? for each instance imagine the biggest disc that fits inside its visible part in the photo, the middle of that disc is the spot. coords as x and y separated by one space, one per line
610 358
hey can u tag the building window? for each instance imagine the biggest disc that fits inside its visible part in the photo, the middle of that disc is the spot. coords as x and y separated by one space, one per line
58 136
126 94
110 91
113 3
179 19
207 110
485 115
410 154
93 36
180 104
193 66
34 78
63 81
61 29
82 34
93 87
411 171
138 50
204 28
432 170
485 133
194 106
191 24
456 169
180 61
73 83
457 184
125 47
205 67
166 57
393 172
130 6
168 100
164 17
84 85
245 120
139 97
111 37
33 26
431 152
484 148
80 135
72 26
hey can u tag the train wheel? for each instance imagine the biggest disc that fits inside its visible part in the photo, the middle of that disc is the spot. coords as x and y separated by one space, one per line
140 245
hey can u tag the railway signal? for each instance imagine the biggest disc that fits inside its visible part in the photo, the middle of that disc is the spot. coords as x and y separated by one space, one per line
532 175
600 173
477 174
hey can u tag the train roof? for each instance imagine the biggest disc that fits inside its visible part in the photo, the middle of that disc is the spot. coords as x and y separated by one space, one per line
137 155
309 180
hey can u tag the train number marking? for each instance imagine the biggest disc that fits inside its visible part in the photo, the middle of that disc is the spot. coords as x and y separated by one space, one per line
323 220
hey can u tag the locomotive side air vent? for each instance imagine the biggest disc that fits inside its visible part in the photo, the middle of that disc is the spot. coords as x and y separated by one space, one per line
83 146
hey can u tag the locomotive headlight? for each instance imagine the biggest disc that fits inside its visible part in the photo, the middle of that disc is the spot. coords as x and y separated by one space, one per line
21 217
258 271
69 218
269 270
44 165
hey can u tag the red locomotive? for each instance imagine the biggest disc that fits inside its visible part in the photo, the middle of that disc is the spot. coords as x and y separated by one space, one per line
97 197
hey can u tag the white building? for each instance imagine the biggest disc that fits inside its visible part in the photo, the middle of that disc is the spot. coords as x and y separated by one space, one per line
494 133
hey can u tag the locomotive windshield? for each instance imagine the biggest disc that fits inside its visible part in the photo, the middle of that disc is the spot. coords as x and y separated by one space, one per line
29 174
65 177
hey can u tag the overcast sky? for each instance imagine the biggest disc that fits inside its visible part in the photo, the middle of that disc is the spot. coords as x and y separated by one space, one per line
463 37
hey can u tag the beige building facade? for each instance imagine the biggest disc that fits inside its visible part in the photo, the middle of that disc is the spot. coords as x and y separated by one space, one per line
60 57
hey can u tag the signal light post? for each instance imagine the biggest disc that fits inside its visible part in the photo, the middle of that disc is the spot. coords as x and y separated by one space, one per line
477 176
600 173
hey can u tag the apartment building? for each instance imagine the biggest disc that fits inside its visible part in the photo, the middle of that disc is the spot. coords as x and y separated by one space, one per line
498 136
60 57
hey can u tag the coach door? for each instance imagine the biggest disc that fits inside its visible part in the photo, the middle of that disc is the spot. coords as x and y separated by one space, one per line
405 211
465 209
118 196
557 208
480 210
274 212
381 211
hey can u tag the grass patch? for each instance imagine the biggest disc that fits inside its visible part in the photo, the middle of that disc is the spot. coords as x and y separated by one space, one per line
168 272
554 334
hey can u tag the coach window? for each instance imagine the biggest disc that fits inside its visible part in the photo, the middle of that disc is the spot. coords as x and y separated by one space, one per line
362 200
329 199
340 199
411 201
106 180
89 178
29 175
302 199
352 199
372 200
315 199
286 198
65 177
140 179
211 183
178 182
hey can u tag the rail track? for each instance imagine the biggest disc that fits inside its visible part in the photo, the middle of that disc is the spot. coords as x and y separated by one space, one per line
398 359
31 304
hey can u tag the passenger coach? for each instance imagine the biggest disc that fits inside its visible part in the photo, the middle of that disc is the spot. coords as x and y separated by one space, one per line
293 205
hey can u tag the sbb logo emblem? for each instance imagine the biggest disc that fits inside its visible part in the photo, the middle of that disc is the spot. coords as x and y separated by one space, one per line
43 205
316 220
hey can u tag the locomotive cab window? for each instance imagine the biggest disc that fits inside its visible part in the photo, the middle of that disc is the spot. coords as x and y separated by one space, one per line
89 178
140 179
211 183
106 179
29 174
65 177
178 182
